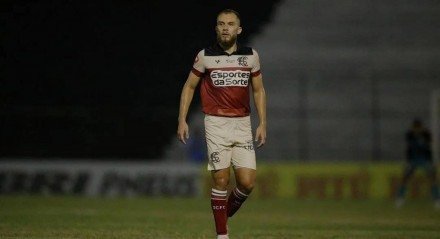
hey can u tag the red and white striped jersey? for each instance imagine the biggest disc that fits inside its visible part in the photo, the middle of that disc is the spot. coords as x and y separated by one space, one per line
226 78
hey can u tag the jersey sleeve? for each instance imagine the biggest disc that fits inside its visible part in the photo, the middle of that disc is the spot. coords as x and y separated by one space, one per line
199 66
256 64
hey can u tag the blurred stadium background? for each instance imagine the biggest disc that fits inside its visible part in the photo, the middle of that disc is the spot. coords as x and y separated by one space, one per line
89 96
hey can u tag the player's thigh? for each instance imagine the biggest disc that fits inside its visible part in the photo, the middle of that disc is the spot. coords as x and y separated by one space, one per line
243 153
219 147
243 156
219 157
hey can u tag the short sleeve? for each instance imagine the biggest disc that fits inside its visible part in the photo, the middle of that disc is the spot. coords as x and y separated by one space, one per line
256 64
199 66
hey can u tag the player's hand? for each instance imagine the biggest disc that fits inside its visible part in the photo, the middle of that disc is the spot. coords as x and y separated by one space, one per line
260 135
183 132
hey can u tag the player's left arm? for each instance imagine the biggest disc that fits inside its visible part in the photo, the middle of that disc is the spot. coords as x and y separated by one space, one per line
260 103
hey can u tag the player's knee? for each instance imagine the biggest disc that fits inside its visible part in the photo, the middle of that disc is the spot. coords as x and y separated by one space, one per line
221 183
246 187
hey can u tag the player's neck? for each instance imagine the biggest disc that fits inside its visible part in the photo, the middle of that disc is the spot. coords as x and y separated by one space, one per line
229 49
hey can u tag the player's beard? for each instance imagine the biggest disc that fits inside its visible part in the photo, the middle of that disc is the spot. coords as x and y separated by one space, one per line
226 44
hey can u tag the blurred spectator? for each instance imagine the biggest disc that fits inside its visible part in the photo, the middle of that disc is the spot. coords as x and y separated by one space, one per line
418 155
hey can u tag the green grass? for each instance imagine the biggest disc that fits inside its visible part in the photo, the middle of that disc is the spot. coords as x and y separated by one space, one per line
71 217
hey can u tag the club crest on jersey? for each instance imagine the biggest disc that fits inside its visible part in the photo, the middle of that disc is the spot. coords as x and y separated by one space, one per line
224 78
242 60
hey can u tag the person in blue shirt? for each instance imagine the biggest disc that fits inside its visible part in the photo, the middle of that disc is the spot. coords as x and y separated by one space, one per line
418 155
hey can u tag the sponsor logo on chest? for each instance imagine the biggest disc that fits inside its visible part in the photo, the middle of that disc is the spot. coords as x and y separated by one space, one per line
224 78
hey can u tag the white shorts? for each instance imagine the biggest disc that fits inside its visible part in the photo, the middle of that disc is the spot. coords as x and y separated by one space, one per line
229 140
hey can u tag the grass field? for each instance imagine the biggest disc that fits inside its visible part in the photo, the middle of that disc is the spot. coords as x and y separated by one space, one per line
71 217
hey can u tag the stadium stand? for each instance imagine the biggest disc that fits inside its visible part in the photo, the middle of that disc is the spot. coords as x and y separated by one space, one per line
346 78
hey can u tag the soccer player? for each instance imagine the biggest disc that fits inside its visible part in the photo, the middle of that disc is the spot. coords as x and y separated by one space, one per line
226 72
418 155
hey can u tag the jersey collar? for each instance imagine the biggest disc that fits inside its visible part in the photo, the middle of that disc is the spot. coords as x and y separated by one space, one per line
220 50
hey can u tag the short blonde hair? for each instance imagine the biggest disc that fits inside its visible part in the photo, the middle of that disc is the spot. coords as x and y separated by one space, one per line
230 11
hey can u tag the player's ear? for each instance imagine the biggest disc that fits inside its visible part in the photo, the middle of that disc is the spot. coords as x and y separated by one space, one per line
239 30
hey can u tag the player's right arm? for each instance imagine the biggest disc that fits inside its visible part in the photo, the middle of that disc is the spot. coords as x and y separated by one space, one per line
185 101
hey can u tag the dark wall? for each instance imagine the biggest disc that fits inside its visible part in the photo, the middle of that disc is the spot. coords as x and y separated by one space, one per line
101 80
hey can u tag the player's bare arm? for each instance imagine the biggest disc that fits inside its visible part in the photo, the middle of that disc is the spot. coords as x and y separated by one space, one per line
185 102
260 104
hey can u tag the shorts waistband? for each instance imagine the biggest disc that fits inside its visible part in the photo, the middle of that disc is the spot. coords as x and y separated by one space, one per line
240 118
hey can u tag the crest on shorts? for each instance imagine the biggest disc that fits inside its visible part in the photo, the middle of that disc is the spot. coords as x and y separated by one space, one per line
214 157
